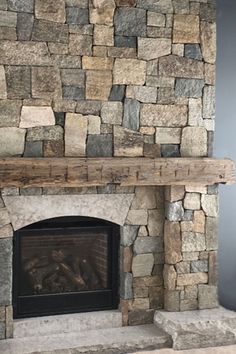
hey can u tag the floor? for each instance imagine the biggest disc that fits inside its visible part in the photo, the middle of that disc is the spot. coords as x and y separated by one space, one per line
220 350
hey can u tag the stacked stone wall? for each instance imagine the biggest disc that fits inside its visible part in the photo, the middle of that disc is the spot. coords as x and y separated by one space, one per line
127 78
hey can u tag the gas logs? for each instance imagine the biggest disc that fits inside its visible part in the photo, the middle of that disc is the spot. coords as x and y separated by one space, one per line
58 272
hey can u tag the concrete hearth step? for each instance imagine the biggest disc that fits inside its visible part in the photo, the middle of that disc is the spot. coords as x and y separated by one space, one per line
78 322
102 341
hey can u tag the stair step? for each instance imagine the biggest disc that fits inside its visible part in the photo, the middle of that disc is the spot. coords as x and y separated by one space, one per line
79 322
105 341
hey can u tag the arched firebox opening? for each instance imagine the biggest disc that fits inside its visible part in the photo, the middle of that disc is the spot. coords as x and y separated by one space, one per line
65 265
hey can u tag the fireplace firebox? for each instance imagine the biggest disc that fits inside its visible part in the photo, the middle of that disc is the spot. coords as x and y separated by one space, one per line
65 265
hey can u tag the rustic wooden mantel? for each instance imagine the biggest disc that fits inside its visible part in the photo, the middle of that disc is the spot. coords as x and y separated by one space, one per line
82 172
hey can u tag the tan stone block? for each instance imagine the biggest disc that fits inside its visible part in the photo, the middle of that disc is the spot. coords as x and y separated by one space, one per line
127 259
3 85
98 85
186 29
36 116
58 48
192 279
100 51
190 256
153 48
174 193
168 135
140 303
193 242
142 265
9 322
129 72
187 226
208 41
155 19
178 49
188 305
137 217
170 277
127 143
192 201
145 198
210 74
172 241
199 221
76 127
148 281
213 268
50 10
80 44
94 124
196 189
2 314
46 82
210 205
97 63
195 112
207 297
6 231
194 142
163 115
156 296
102 12
103 35
155 222
64 106
143 94
147 130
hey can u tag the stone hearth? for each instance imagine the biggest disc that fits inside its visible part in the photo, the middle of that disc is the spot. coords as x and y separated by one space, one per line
115 79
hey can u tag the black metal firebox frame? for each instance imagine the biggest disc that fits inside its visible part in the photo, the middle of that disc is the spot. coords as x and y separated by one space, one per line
91 300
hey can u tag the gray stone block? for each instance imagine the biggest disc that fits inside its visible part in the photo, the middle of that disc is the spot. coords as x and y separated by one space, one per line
130 21
148 245
193 51
10 113
126 286
45 31
188 215
45 133
214 189
139 317
170 150
131 114
21 5
73 93
117 93
89 107
199 266
161 6
208 12
77 16
6 271
125 42
24 26
207 297
33 149
60 118
99 145
128 235
174 211
189 88
2 330
18 82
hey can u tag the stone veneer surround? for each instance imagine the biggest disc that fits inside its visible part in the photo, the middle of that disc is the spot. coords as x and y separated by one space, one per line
127 78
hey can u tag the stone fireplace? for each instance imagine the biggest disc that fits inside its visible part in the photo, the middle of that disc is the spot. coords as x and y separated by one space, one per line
124 83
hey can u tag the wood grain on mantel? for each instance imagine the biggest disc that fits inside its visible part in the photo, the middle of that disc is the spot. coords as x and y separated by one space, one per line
82 172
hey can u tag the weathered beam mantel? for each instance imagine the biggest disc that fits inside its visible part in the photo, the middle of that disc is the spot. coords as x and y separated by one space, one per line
84 172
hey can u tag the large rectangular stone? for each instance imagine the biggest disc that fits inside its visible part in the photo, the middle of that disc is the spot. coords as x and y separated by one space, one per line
127 143
24 53
36 116
142 265
98 84
173 242
50 10
129 72
161 6
46 82
163 115
186 29
143 94
76 127
193 242
192 279
174 66
153 48
45 31
148 245
18 82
